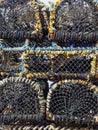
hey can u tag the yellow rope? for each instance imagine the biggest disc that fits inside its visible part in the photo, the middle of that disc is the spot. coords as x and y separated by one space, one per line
38 27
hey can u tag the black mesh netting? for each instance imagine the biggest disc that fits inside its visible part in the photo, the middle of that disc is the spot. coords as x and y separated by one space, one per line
11 62
18 20
73 66
18 98
73 100
76 23
41 63
76 15
17 15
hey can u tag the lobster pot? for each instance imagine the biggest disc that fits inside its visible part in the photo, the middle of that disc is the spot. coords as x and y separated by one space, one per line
61 64
72 101
38 65
21 100
74 22
51 126
10 62
21 20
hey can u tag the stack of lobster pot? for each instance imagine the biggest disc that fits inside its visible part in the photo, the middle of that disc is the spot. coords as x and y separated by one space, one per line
48 65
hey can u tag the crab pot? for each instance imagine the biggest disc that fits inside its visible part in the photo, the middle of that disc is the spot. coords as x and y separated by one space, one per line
10 62
73 22
72 101
50 126
22 20
22 101
61 64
